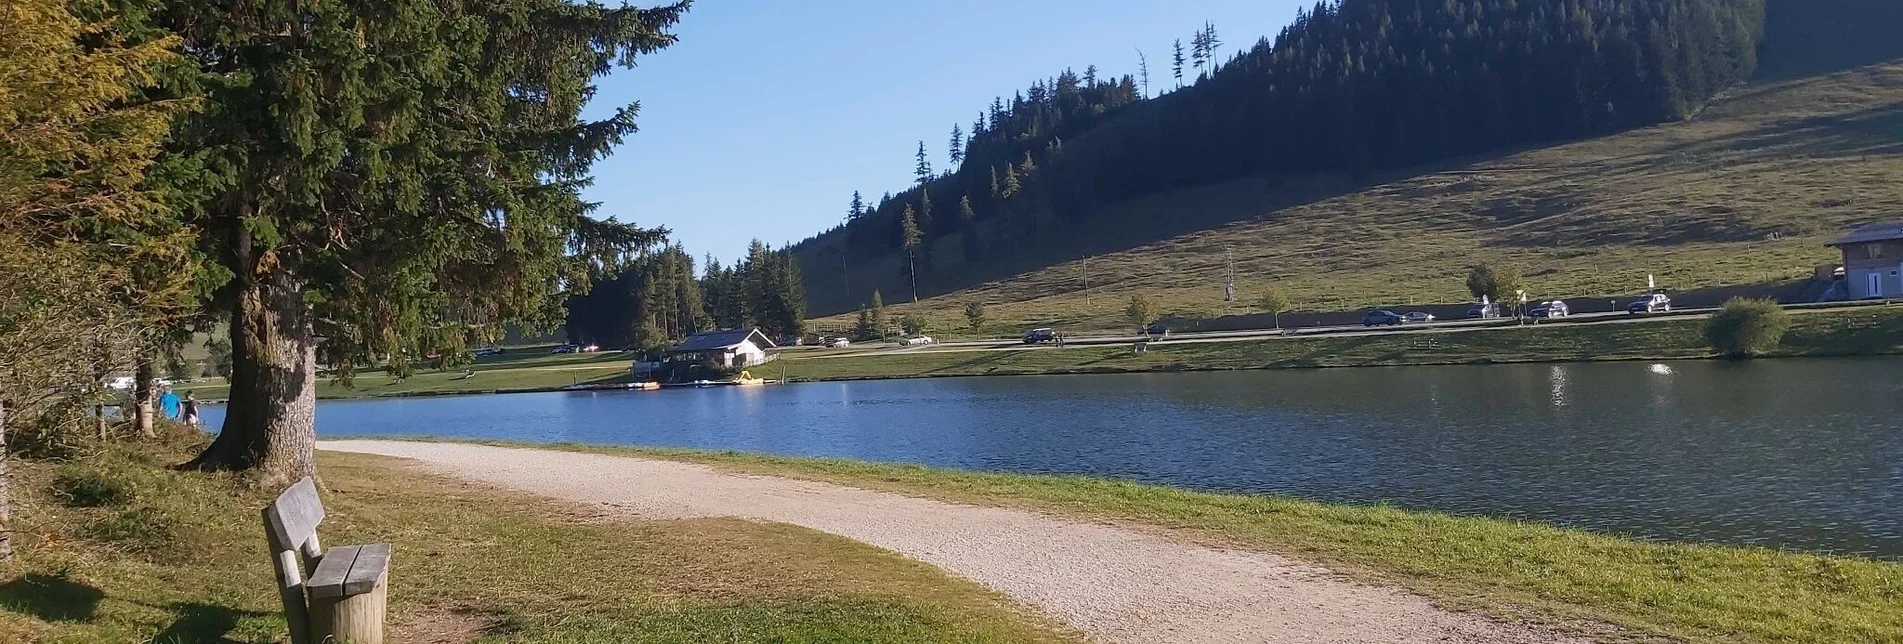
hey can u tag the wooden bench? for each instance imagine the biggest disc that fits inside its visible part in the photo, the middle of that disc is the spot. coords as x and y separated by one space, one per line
345 596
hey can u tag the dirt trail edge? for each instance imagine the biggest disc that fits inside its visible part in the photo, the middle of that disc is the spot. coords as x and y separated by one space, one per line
1113 584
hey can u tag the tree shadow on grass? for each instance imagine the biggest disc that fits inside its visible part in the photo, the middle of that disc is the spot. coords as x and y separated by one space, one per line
199 623
52 599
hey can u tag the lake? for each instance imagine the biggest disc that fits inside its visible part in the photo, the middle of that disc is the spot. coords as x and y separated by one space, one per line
1802 454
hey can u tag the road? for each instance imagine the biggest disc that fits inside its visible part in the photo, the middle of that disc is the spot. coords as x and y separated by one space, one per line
1203 337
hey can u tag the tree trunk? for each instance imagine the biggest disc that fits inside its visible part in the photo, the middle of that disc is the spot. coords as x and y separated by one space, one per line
6 503
270 420
143 395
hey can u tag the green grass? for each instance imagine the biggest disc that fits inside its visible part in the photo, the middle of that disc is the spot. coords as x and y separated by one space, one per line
1857 331
1746 193
1694 593
179 557
527 369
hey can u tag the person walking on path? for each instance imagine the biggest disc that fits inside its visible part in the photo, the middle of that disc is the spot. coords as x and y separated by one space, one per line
188 410
168 403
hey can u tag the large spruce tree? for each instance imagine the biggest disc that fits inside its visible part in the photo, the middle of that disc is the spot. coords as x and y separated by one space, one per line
392 177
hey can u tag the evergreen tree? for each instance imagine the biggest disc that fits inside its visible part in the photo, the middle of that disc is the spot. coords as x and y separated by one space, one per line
1198 51
924 169
956 151
857 209
909 236
1176 63
1011 186
1210 44
875 317
376 175
968 223
975 317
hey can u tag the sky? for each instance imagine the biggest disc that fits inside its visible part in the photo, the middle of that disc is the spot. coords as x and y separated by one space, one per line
768 114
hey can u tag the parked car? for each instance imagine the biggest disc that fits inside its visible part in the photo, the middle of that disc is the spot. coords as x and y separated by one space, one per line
1417 317
1484 311
1039 336
918 340
1654 303
1382 318
835 342
487 351
1553 309
1156 330
566 348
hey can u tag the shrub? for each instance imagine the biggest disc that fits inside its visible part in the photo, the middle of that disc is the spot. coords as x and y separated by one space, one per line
1746 327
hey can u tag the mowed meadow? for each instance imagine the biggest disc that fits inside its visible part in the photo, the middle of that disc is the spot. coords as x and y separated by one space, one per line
1746 193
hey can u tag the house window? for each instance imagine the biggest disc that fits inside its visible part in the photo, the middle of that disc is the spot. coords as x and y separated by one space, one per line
1875 251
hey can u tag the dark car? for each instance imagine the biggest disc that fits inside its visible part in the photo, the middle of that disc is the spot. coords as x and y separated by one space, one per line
1039 336
1553 309
1654 303
1156 330
1484 311
1382 318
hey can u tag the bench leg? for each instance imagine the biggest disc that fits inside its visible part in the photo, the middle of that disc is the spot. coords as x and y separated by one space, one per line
291 592
357 619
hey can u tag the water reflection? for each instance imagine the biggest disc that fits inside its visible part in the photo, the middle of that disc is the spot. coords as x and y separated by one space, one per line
1802 453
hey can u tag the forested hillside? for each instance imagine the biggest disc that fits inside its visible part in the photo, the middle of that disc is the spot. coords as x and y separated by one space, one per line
1741 197
1348 89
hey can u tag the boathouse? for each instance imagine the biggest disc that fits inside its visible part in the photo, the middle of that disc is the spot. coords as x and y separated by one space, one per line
730 349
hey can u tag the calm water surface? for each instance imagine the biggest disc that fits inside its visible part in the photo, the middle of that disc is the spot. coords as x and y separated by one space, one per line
1801 454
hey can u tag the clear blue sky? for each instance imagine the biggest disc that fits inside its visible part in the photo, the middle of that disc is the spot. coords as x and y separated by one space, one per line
768 114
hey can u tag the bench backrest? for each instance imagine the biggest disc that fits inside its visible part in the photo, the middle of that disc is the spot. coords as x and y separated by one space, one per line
292 519
290 523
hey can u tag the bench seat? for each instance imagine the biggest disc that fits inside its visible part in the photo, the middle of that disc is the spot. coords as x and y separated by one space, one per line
349 570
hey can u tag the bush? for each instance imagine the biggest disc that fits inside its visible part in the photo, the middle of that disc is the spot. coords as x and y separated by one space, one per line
1746 327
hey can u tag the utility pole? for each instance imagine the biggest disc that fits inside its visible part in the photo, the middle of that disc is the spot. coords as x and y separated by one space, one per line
1229 272
1086 281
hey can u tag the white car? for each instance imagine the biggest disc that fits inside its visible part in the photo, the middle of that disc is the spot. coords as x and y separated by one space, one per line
1417 317
835 342
920 340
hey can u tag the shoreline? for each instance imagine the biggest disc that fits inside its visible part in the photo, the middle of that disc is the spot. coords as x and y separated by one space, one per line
1502 567
1850 332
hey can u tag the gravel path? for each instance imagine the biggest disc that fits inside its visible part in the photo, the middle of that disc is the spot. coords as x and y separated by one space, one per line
1113 584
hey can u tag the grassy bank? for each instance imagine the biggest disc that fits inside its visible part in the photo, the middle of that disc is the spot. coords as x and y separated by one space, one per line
528 369
1694 593
1860 331
113 548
